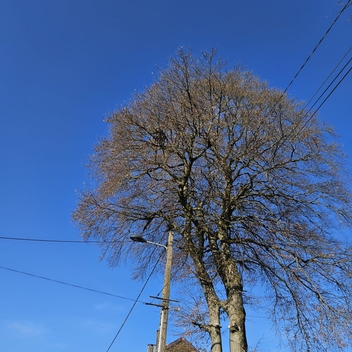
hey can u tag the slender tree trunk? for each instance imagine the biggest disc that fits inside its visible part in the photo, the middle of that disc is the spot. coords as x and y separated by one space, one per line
237 329
234 308
213 303
214 327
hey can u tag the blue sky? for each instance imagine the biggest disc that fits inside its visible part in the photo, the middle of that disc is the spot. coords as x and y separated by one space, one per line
64 65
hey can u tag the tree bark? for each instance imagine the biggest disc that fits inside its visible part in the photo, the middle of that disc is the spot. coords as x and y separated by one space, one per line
233 306
213 304
214 329
237 330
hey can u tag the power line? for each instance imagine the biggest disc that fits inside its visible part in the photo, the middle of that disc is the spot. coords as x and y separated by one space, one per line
325 90
134 304
337 65
57 241
316 47
68 284
328 96
295 129
305 62
332 91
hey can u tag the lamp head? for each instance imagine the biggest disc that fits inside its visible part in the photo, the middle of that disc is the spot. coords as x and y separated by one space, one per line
138 239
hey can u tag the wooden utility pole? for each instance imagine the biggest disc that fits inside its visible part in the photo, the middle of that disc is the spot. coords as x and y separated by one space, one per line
166 295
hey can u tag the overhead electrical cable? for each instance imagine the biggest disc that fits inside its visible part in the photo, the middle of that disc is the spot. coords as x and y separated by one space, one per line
332 91
68 284
57 241
330 84
303 65
326 79
297 129
134 304
328 96
316 47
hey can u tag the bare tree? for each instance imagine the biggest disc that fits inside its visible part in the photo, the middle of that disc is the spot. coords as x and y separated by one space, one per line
253 187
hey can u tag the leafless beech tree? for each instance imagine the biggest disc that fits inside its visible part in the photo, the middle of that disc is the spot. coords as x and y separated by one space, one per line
253 187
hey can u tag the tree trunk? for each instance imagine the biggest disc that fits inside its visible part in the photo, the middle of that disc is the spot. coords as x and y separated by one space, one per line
234 308
237 329
214 328
213 304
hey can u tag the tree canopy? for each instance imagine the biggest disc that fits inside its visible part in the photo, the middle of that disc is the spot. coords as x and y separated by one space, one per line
252 185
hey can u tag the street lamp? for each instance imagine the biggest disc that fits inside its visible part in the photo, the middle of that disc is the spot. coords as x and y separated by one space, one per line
143 240
166 289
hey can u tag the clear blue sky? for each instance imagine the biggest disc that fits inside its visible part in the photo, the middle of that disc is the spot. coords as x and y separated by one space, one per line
64 64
